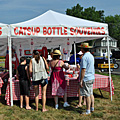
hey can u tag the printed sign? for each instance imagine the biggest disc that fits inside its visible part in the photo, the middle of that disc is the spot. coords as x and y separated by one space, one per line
58 31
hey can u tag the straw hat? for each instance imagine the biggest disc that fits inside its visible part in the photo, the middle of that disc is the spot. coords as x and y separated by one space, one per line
56 52
85 45
80 53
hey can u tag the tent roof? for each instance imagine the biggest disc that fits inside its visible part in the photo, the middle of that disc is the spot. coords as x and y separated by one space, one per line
54 18
3 31
2 24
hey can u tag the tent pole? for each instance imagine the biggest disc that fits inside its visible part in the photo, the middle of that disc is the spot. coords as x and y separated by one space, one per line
109 67
75 51
10 69
60 51
60 47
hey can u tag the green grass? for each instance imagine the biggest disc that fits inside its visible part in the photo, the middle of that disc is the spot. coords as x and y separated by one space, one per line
105 109
2 63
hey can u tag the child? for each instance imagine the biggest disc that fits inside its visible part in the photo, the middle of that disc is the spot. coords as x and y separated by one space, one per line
80 97
22 75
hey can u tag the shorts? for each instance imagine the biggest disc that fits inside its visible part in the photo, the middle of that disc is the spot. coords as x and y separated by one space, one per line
24 87
87 88
39 82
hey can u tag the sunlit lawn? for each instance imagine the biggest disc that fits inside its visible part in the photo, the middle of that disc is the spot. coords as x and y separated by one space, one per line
105 109
2 63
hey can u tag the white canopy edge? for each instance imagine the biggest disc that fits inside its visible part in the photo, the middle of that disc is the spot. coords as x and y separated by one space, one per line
3 30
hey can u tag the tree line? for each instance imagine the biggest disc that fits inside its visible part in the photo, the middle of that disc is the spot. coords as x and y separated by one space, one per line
98 16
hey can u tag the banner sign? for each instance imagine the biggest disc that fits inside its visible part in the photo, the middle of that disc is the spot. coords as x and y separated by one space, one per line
3 31
51 31
32 45
66 48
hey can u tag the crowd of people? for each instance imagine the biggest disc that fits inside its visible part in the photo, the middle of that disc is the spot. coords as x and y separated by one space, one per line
37 70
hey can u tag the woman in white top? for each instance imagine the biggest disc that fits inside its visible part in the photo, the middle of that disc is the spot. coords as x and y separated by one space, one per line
38 66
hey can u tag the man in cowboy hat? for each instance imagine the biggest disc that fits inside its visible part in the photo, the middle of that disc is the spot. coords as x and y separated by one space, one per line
87 77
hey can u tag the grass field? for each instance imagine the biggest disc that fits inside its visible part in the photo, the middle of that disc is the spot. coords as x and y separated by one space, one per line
2 63
105 109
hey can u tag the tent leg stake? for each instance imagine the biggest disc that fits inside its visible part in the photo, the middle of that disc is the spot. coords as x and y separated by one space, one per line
100 92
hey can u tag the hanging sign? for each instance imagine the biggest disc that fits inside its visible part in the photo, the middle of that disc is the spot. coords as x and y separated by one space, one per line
20 50
44 52
58 31
32 46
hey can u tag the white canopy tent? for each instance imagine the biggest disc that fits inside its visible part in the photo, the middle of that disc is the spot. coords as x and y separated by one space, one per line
53 29
3 35
5 40
3 30
56 27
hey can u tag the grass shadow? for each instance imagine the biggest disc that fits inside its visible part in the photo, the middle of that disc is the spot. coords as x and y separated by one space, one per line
72 108
2 99
99 96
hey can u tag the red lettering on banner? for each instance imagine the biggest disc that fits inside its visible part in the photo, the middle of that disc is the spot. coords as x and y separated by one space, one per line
0 31
72 31
32 31
102 30
58 31
75 31
79 31
61 31
21 31
29 32
65 30
44 30
93 31
58 28
37 30
98 31
49 30
87 31
16 33
55 31
24 28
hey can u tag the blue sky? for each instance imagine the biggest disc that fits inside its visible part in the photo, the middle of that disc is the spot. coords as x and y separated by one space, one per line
14 11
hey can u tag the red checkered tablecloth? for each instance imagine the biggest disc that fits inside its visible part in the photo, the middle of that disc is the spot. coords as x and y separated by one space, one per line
16 92
1 84
101 81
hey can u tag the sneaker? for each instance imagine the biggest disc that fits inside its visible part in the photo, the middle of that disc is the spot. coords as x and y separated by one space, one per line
56 106
66 104
85 113
92 109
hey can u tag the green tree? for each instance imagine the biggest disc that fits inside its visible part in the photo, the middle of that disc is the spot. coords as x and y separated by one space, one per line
114 27
87 13
76 11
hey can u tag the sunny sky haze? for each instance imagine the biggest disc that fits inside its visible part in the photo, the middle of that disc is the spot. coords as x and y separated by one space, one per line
14 11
